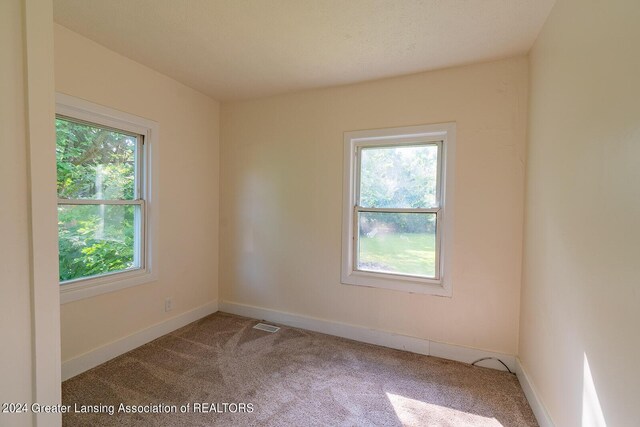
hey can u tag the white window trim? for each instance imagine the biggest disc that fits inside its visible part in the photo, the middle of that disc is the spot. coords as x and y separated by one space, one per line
80 109
444 132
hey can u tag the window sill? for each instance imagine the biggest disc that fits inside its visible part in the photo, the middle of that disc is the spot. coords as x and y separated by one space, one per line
408 284
87 288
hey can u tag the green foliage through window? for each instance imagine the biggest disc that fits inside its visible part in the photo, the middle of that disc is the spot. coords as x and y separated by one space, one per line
401 177
94 163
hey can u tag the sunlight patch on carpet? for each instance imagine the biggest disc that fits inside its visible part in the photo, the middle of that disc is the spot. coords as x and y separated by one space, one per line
413 412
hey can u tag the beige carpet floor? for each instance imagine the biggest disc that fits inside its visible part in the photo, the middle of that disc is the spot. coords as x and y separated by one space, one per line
289 378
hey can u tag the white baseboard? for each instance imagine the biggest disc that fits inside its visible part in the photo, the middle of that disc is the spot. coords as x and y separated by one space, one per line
538 408
95 357
372 336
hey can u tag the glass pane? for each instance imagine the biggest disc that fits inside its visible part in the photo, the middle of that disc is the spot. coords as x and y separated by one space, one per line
398 243
94 163
97 239
399 177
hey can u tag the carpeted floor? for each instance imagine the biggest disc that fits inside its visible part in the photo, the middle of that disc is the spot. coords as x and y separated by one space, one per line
233 375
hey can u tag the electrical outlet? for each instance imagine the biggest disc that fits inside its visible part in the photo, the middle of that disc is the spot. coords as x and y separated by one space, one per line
168 304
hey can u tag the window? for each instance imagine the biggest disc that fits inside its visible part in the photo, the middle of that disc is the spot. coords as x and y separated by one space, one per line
104 185
398 208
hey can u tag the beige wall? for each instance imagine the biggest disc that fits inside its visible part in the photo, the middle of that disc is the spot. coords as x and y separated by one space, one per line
281 202
15 302
188 237
581 287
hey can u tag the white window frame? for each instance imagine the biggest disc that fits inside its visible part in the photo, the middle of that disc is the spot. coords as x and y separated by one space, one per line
85 111
443 134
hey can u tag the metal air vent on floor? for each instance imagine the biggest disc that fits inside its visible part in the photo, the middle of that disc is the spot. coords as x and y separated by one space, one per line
266 328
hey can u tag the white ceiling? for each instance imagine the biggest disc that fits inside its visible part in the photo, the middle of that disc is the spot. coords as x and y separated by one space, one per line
237 49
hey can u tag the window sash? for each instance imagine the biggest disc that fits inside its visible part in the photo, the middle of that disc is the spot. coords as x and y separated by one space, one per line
140 248
397 210
96 125
356 238
400 142
138 185
100 202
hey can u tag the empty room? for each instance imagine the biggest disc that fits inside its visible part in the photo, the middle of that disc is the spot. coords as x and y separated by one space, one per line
320 213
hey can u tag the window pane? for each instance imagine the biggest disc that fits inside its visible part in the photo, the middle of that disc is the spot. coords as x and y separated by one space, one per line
399 177
97 239
94 163
398 243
